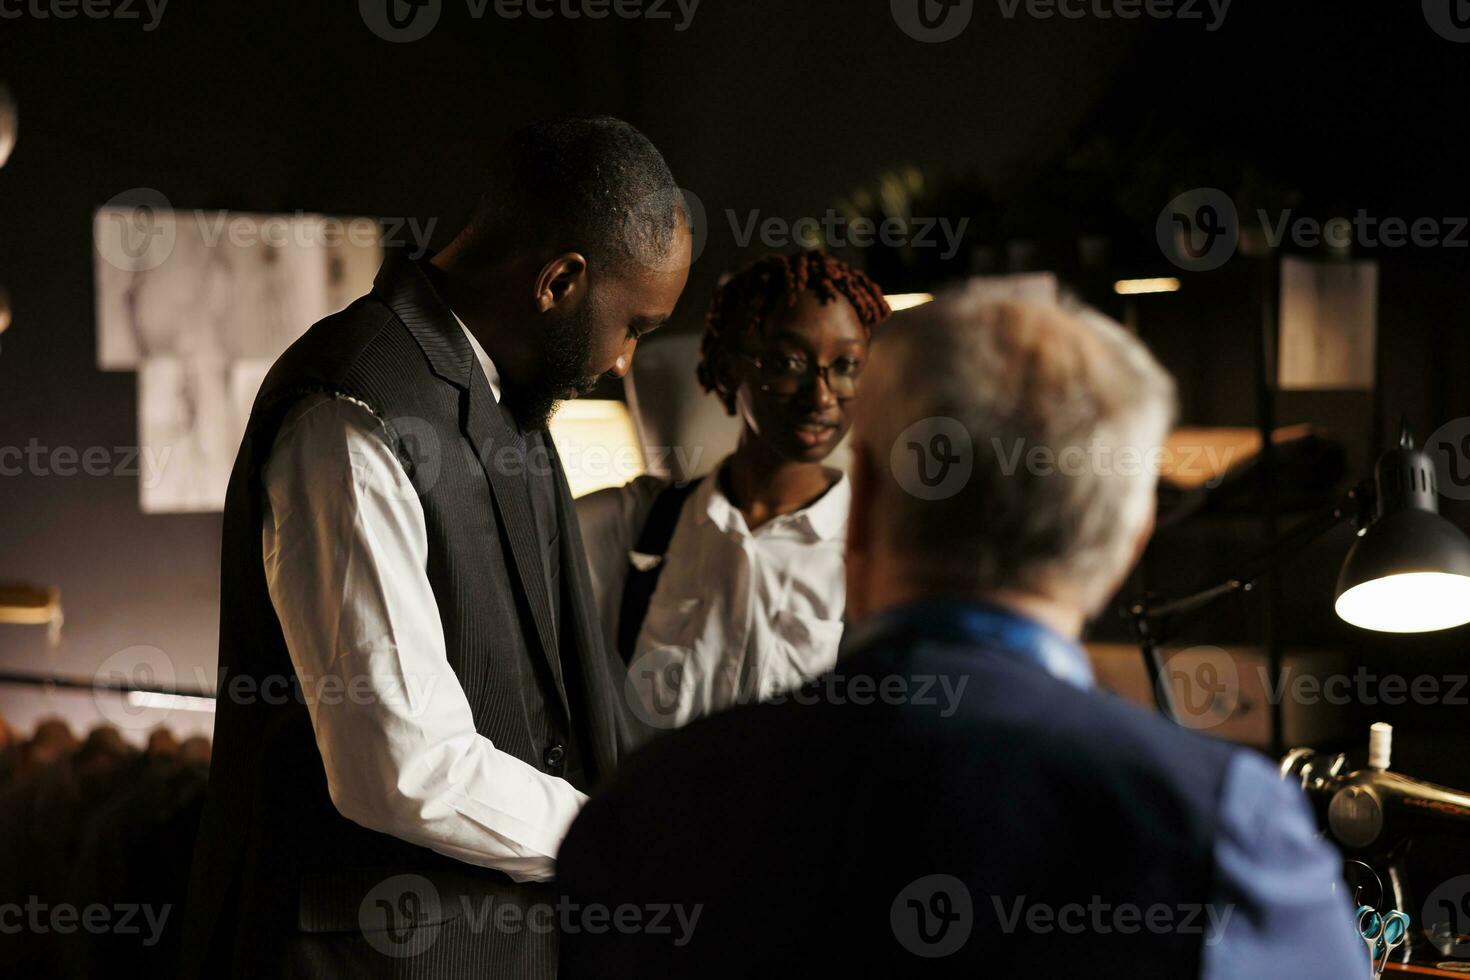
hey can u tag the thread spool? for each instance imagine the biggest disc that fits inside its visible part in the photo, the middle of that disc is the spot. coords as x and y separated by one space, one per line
1380 745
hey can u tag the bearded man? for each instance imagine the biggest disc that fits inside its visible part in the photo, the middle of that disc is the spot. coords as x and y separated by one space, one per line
414 695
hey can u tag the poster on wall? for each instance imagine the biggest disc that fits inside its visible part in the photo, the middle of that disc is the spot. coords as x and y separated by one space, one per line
1029 287
1329 324
200 304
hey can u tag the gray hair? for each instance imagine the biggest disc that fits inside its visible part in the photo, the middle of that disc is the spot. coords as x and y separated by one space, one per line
1016 444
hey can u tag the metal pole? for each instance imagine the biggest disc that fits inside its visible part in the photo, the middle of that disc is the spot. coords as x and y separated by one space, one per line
1266 422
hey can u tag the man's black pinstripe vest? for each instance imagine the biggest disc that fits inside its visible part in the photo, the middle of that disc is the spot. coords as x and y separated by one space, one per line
284 884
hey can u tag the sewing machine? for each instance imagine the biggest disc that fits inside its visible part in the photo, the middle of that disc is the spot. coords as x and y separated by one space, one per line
1375 816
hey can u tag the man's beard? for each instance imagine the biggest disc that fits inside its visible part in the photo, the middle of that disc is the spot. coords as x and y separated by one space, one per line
565 353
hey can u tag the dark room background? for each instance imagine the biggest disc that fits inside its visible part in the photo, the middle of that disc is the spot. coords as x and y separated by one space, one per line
777 106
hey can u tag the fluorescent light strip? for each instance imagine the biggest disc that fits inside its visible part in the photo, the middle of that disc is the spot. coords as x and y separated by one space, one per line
1139 287
179 702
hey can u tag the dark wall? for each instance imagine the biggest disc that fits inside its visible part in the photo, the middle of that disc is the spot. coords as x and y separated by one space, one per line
239 110
281 106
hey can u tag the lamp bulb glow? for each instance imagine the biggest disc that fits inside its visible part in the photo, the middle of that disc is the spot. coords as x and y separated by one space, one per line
1414 602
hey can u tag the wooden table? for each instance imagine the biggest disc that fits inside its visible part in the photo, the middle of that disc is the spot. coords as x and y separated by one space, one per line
1415 970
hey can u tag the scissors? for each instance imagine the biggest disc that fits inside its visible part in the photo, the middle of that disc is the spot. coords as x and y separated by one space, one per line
1382 934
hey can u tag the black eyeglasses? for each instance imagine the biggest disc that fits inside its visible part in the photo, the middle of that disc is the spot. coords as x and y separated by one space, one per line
786 374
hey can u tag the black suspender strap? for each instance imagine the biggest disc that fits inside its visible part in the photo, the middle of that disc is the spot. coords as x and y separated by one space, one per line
646 562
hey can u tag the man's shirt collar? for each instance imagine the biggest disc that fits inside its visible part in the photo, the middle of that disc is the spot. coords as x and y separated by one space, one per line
991 627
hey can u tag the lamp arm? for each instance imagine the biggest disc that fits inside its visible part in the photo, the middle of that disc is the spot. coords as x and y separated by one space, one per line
1356 506
1155 623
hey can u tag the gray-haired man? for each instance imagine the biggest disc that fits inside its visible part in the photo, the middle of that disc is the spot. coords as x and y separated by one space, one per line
1029 826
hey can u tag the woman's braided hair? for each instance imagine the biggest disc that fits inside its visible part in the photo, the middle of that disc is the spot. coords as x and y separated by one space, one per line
744 303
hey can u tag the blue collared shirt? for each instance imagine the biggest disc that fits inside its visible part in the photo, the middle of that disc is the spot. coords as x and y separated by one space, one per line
1282 884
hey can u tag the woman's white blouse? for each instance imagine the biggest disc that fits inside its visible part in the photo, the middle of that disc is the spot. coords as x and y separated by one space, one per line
740 616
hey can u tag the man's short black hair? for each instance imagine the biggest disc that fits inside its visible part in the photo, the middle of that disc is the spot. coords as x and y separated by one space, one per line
593 184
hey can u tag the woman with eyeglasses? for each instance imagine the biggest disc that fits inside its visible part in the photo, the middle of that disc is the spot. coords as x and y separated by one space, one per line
733 587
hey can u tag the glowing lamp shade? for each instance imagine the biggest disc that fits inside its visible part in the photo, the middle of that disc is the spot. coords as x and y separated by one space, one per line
898 302
1409 571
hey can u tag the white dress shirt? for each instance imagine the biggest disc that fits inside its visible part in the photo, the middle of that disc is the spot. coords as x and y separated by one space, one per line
346 551
741 616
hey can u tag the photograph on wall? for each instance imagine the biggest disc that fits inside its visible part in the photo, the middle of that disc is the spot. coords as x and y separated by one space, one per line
199 304
1329 324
